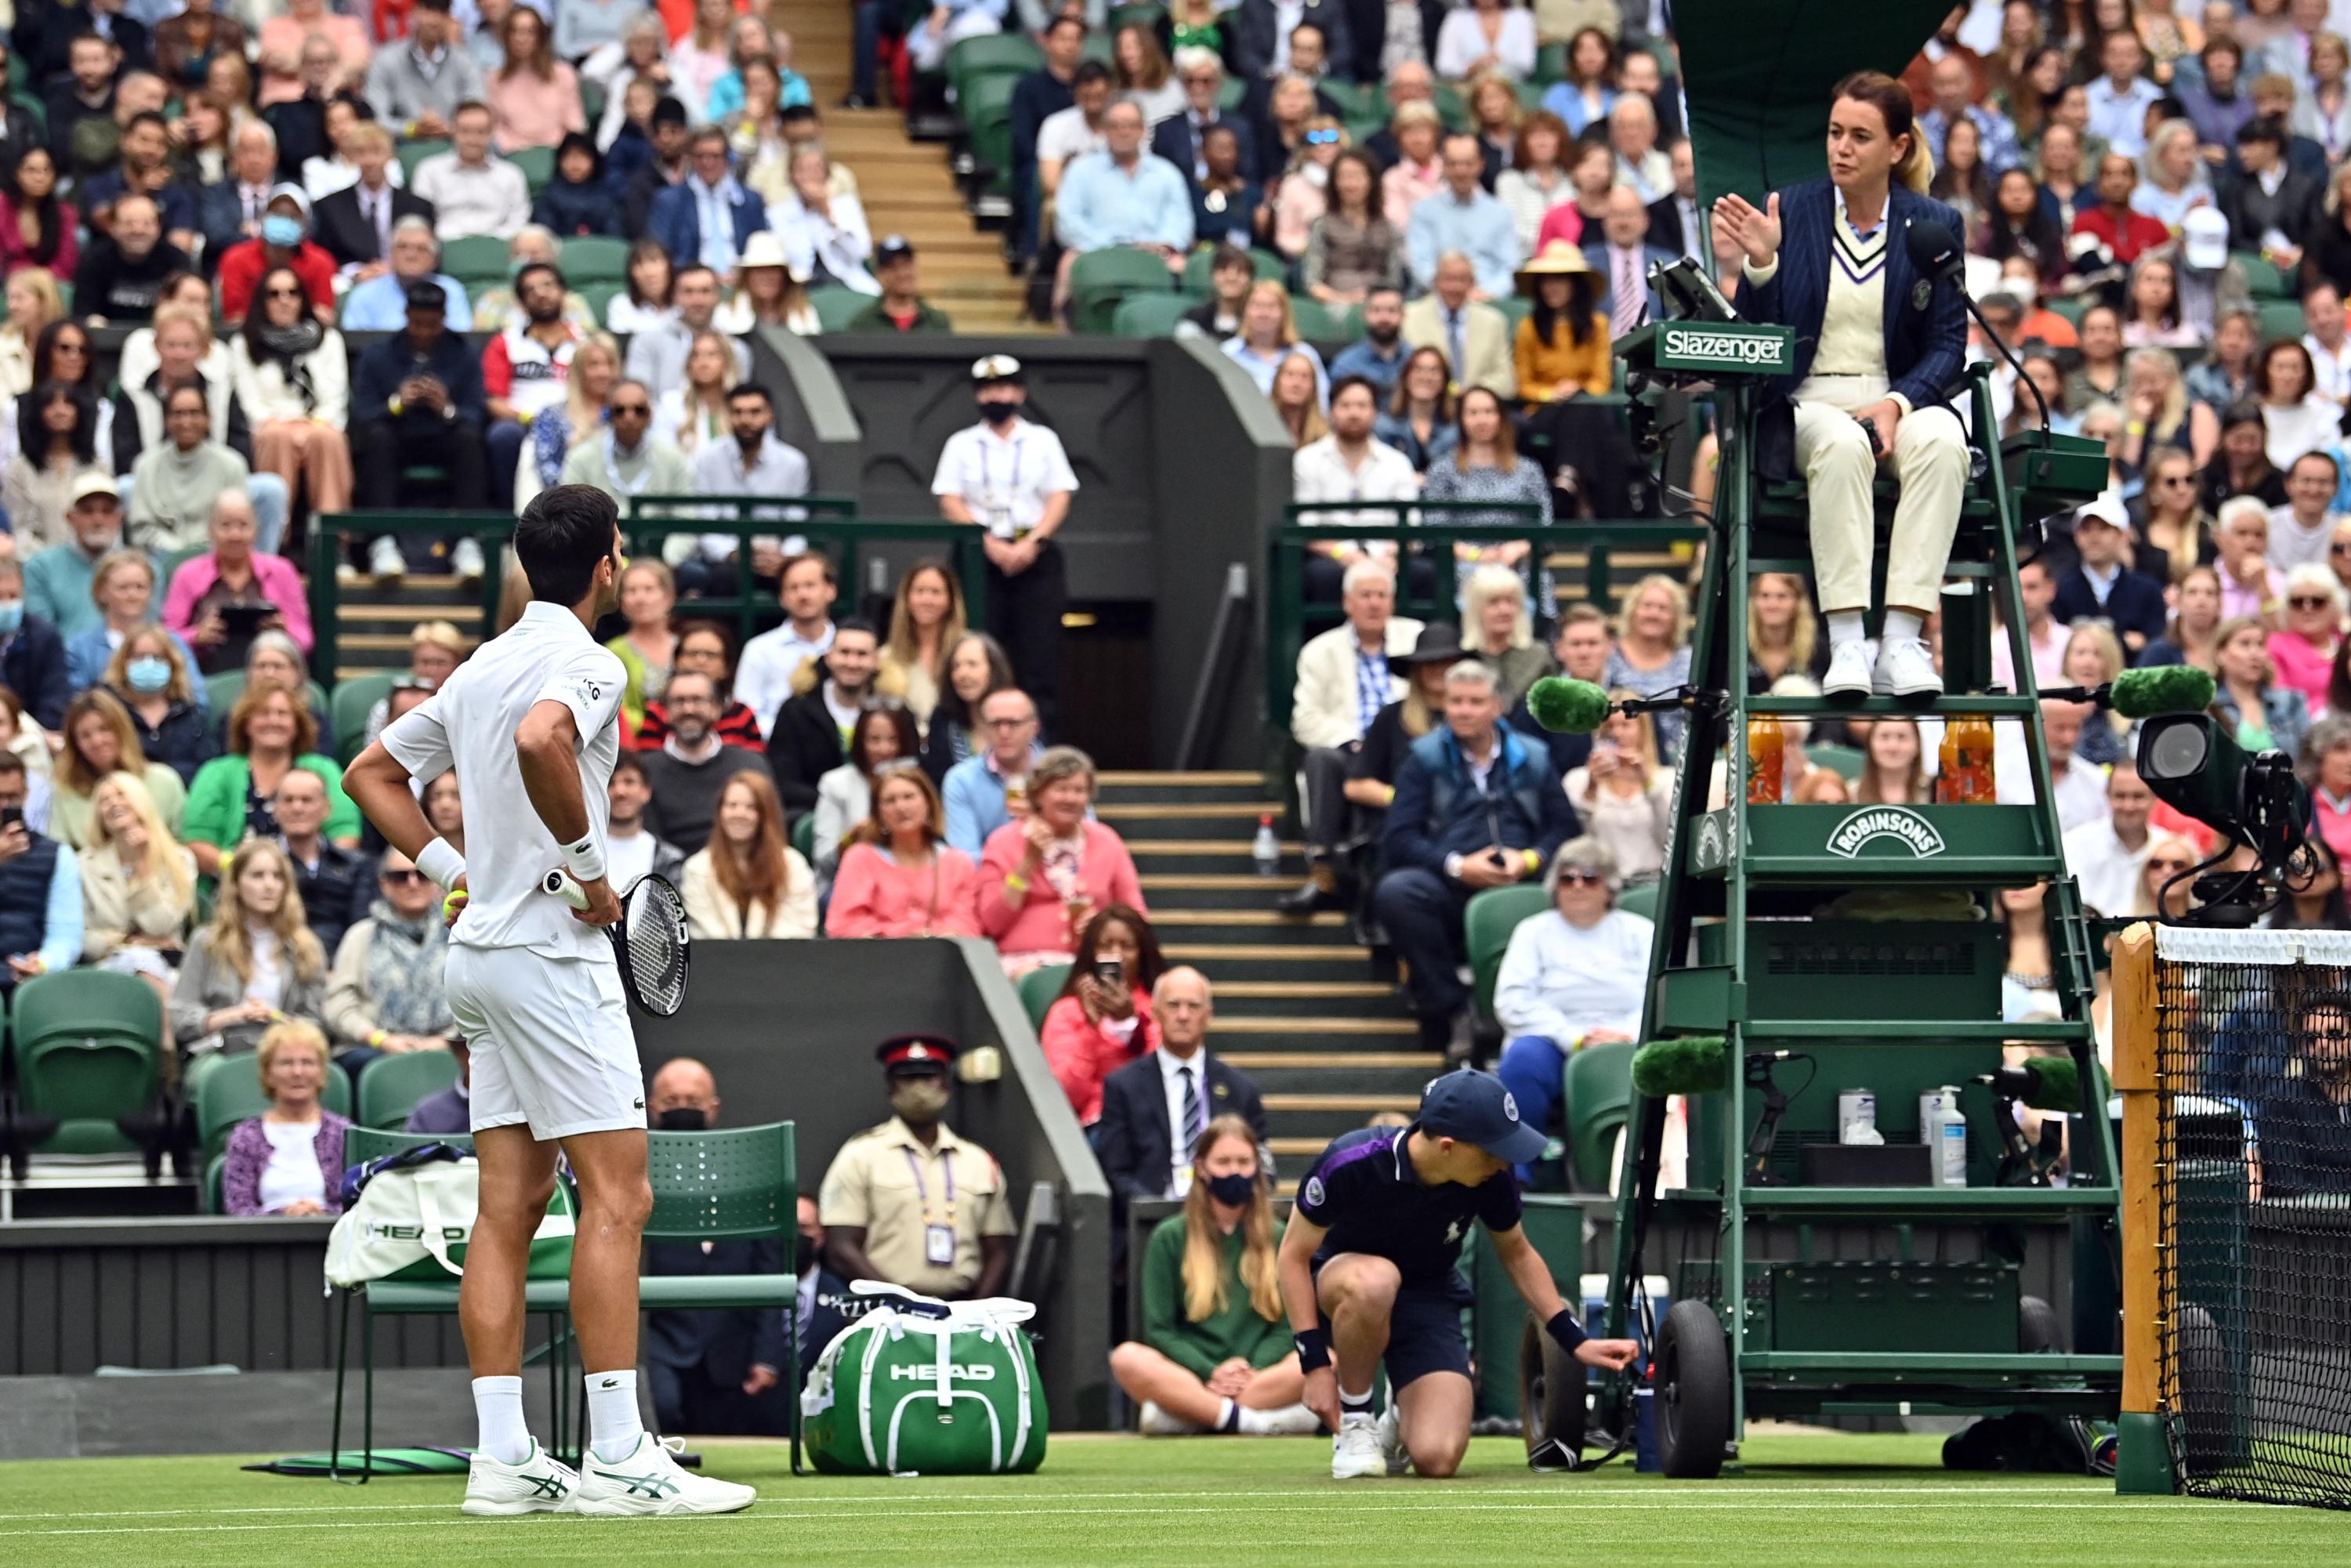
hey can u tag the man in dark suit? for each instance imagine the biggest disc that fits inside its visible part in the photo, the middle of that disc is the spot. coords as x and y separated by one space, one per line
2266 193
2103 588
1622 254
451 1110
1153 1110
1256 41
354 224
1035 98
1310 53
1673 217
1178 137
716 1370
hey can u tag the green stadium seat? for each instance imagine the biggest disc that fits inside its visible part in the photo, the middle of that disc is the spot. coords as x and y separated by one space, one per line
1149 315
1357 100
1530 94
1452 107
1551 62
352 701
1599 1084
1316 323
1100 278
1038 987
2071 310
593 259
222 690
1200 265
476 256
412 153
598 297
804 836
2264 280
89 1053
391 1085
1013 54
835 307
228 1091
2281 318
1144 15
1487 923
537 163
1640 899
1229 96
1845 761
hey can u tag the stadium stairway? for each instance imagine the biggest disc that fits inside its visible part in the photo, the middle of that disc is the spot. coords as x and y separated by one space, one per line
372 624
1298 1008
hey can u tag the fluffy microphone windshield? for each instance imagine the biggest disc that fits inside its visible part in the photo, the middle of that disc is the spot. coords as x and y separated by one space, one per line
2167 688
1689 1064
2057 1084
1566 706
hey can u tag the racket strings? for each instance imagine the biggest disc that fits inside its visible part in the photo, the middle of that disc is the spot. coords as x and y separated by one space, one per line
654 947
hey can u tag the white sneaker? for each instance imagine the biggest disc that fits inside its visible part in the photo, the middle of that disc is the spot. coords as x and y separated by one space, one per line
1292 1421
1905 668
1848 673
466 560
1355 1450
1158 1422
385 563
1391 1436
538 1485
649 1480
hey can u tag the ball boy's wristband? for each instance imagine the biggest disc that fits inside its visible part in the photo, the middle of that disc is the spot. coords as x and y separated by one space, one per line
1564 1331
1314 1349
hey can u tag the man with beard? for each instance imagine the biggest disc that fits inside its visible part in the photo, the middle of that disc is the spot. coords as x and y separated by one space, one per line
806 739
120 274
691 769
1379 357
524 371
754 464
658 357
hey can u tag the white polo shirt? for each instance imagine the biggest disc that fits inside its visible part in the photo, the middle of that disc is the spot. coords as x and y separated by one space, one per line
1004 479
469 725
2107 869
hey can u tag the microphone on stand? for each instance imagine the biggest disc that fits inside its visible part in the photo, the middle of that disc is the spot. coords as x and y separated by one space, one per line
1935 252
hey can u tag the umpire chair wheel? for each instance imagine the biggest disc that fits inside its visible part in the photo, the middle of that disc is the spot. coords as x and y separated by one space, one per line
1551 1400
1693 1399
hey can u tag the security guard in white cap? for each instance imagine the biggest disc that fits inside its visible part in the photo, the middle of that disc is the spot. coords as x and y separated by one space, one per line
910 1202
1012 478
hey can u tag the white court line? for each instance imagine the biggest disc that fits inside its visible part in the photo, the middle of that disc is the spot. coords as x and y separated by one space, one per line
1653 1490
1658 1505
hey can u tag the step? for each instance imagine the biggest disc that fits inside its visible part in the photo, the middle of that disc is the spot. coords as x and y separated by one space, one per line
1204 855
1129 789
467 615
1364 997
1320 1027
1931 1204
1329 990
1216 819
1222 890
1366 1104
1270 962
1297 1148
1368 1060
1300 933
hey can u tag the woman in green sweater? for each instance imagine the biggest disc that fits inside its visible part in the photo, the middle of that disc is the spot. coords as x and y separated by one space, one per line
232 798
1215 1355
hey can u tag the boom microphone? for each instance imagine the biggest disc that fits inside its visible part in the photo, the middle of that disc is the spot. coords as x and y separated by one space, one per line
2042 1082
2166 688
1566 706
1687 1064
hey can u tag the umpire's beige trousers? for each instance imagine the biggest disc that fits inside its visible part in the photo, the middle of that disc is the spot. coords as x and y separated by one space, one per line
1930 460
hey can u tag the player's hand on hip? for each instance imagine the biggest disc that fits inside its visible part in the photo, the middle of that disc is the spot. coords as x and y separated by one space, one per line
603 905
1320 1395
1608 1354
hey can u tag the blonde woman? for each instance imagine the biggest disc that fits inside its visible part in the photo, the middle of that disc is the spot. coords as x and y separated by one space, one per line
1782 636
1623 795
2303 650
595 372
1894 764
152 675
100 742
1216 1353
1269 335
695 416
926 621
748 881
648 647
2094 656
1499 632
289 1159
2172 532
33 303
257 963
1652 653
138 888
2161 416
1294 401
2168 855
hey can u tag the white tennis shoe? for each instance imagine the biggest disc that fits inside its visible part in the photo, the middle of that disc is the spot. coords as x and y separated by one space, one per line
650 1480
1391 1435
1905 668
1356 1451
538 1485
1849 671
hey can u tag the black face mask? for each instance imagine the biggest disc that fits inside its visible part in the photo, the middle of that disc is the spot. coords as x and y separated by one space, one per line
683 1119
806 1257
999 414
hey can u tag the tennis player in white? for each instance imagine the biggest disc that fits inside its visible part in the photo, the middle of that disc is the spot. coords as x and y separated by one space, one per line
531 724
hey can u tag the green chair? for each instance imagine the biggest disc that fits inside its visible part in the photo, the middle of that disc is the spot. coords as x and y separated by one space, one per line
1149 315
412 153
353 700
1640 899
593 259
1550 63
2262 279
1200 265
1845 761
1100 278
2281 318
985 104
730 1185
1599 1084
1487 923
537 163
476 256
228 1090
1038 987
88 1054
1452 107
393 1085
598 297
1012 55
1314 320
1229 96
804 836
836 308
222 690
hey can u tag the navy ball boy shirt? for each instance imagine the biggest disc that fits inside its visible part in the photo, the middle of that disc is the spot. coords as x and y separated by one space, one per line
1365 1192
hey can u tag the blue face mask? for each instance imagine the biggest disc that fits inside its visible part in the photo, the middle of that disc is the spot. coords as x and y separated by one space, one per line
11 617
148 674
281 231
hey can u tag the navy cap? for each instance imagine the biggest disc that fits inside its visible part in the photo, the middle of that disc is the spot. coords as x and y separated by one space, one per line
1472 1107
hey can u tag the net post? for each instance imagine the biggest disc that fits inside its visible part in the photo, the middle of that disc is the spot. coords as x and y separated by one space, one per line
2143 1465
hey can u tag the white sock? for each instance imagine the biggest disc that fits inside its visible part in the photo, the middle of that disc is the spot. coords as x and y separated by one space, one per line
1904 625
612 1424
1846 626
497 1405
1229 1416
1255 1423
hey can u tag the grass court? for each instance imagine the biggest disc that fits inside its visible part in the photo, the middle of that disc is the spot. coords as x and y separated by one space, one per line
1804 1499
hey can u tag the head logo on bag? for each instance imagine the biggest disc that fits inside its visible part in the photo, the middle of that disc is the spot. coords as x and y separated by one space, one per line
957 1371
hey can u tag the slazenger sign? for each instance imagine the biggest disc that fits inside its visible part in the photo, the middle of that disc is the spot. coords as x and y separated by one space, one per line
1903 826
1746 349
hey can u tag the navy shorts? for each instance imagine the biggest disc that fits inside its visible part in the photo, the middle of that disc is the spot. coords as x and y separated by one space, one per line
1424 1331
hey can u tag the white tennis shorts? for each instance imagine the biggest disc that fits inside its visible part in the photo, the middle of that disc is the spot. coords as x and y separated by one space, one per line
551 1041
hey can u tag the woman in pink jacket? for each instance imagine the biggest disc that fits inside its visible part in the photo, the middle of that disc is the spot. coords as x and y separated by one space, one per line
1042 877
899 876
1101 1021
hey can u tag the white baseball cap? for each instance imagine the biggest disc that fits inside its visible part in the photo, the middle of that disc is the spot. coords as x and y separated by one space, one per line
2205 238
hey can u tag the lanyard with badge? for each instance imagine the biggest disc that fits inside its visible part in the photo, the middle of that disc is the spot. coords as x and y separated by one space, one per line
996 505
938 1238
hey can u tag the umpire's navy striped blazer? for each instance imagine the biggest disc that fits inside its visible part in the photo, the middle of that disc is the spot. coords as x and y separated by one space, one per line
1925 336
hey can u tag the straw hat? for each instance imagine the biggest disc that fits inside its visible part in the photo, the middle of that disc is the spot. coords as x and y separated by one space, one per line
1560 258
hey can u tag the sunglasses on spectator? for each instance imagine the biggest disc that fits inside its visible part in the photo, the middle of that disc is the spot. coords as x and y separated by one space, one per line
284 294
642 410
2308 601
1320 138
2182 480
1579 877
402 878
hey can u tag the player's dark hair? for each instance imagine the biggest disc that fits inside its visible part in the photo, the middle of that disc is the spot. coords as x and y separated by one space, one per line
563 536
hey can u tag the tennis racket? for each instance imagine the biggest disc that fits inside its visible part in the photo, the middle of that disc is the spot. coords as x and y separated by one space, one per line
650 939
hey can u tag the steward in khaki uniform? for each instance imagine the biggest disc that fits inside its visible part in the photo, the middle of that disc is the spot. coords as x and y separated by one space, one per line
908 1201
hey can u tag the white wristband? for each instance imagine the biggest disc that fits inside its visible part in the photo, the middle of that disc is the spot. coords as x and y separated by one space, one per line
441 861
584 859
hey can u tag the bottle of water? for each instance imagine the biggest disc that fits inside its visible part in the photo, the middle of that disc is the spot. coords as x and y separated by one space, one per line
1265 849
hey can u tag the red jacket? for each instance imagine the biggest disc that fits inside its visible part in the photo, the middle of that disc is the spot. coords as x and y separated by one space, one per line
242 264
1082 1054
2138 231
